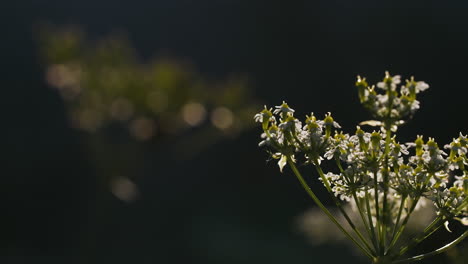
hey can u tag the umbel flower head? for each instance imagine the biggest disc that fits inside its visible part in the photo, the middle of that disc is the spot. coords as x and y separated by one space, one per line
384 180
396 104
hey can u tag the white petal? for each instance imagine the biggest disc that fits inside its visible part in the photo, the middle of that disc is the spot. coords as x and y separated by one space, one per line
282 162
464 221
371 123
446 226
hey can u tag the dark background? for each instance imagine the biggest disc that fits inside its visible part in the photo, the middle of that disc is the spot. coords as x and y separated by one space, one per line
225 205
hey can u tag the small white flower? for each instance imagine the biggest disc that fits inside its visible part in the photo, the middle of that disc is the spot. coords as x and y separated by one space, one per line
328 121
290 123
264 115
258 118
394 81
459 180
421 86
453 166
283 109
456 147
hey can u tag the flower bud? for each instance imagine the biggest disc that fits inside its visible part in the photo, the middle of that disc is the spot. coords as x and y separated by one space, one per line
328 122
362 142
284 110
264 117
375 140
361 84
311 123
463 140
288 124
454 147
419 142
432 146
387 79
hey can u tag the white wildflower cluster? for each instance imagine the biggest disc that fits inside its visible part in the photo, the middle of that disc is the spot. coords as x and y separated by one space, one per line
386 181
286 135
393 105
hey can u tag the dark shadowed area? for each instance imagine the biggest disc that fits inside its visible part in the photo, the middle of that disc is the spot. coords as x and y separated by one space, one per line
223 203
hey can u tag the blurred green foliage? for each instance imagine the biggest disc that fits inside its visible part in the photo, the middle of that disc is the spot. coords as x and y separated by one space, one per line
103 82
164 103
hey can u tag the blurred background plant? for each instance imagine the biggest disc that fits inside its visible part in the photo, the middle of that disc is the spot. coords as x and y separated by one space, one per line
121 103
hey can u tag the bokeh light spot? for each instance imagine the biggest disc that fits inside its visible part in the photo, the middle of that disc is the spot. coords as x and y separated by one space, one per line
193 113
222 118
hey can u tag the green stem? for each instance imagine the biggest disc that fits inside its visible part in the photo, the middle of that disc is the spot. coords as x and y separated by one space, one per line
340 207
324 209
377 209
435 252
369 216
369 229
462 206
434 226
402 204
403 225
386 186
429 230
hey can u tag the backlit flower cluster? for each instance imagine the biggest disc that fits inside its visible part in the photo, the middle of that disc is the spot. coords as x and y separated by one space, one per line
395 104
380 177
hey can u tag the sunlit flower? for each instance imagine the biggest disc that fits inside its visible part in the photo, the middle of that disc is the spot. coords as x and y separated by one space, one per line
385 181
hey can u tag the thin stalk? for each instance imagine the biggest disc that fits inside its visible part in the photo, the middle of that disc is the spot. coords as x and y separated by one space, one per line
384 216
403 225
435 252
434 225
462 206
369 229
340 207
369 216
402 204
413 206
427 233
324 209
377 209
386 184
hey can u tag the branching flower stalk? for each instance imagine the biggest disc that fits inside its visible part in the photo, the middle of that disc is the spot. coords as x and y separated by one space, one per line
384 180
